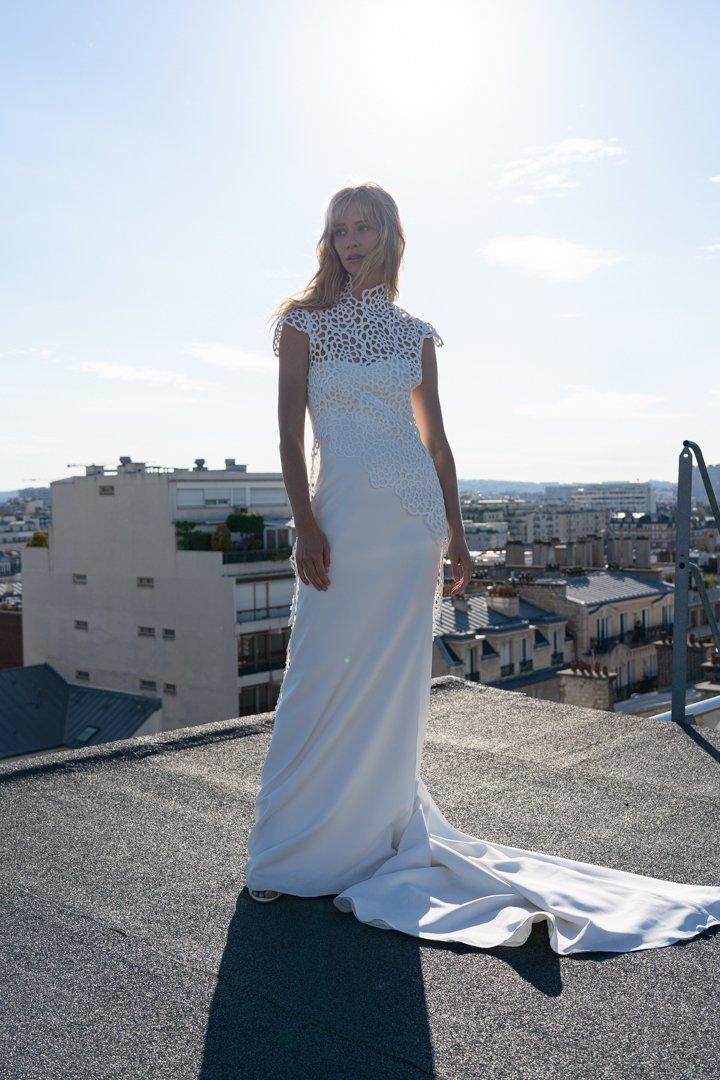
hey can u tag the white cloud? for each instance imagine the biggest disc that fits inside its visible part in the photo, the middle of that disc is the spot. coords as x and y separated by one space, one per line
547 257
712 248
222 355
131 373
585 402
29 352
715 179
547 171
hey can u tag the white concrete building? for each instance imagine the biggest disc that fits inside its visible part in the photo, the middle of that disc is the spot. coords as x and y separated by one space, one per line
113 602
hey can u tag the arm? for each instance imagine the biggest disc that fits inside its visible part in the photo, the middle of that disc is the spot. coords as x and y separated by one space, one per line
313 551
428 416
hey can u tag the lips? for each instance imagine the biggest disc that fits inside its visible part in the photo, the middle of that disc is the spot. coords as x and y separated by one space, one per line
354 258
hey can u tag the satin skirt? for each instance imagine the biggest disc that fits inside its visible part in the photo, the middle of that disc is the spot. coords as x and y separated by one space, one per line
342 809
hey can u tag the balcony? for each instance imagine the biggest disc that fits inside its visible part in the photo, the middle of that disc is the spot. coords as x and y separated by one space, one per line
278 611
641 686
259 555
526 665
638 635
507 669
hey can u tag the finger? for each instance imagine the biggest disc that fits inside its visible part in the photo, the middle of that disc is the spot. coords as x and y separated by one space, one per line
316 575
321 574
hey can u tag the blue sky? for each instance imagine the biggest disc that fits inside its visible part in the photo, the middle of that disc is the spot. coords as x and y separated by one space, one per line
165 167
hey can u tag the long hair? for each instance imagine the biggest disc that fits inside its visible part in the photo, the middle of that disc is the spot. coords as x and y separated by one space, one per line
378 208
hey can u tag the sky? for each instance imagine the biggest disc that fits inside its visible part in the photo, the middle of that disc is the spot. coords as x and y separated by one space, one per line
164 174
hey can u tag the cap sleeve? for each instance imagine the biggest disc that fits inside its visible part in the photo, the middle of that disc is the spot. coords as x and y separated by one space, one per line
428 330
296 317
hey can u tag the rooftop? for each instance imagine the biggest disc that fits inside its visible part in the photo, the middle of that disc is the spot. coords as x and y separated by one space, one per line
132 948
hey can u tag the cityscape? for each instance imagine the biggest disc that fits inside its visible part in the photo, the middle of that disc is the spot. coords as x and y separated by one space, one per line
161 597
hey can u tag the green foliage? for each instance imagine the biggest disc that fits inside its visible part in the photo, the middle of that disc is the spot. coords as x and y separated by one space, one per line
221 539
39 539
241 521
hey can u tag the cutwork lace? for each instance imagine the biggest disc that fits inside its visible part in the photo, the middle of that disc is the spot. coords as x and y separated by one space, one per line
365 356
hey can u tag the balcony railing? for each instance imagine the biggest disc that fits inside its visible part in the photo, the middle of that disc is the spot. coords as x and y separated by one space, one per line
279 611
641 686
638 635
685 569
526 665
507 669
261 555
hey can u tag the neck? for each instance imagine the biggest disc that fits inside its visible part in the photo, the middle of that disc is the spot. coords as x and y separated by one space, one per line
375 295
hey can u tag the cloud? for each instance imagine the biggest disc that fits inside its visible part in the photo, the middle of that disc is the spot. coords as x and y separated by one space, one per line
585 402
548 171
715 179
547 257
29 352
130 373
713 249
223 355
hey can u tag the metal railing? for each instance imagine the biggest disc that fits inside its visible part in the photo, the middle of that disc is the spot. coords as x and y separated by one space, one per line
637 635
684 570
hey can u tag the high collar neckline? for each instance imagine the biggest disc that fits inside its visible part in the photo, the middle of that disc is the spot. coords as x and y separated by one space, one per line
376 297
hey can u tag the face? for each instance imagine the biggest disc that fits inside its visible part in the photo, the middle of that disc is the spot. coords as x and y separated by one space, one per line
353 238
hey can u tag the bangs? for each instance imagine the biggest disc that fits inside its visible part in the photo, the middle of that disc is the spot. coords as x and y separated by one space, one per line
364 205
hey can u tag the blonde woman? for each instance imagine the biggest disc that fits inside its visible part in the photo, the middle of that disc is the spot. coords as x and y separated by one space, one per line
342 809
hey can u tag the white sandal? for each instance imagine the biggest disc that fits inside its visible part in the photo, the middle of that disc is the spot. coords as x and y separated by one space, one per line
265 899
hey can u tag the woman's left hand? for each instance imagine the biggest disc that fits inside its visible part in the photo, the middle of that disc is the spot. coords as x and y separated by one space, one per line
462 563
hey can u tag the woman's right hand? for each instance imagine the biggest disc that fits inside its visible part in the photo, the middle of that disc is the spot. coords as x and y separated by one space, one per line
312 556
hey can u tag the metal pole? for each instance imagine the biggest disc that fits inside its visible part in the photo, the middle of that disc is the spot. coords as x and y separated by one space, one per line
682 575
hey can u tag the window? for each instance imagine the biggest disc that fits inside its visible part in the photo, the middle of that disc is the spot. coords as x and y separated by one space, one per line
217 496
146 631
146 582
189 497
148 684
87 733
79 579
81 624
83 676
168 634
169 688
267 496
106 489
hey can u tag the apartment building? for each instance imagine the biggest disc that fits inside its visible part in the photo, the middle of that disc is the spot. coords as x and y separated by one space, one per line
641 498
522 636
501 639
115 602
614 616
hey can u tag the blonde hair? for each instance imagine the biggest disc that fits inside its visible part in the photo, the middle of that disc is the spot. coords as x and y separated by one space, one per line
379 209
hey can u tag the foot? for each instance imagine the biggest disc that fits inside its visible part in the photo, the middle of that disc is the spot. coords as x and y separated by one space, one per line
267 894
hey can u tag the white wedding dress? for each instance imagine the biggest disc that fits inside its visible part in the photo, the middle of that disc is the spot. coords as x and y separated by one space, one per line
342 808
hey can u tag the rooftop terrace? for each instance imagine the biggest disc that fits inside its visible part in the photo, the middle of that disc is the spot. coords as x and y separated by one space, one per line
131 948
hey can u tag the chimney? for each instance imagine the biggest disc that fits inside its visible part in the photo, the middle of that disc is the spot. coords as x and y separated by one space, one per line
504 599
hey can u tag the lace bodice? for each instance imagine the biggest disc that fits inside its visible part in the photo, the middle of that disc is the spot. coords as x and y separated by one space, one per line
365 356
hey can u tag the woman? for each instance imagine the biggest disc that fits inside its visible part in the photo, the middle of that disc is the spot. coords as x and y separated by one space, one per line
341 808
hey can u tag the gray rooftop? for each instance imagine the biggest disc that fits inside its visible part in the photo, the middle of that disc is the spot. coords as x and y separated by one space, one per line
608 586
39 710
131 948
